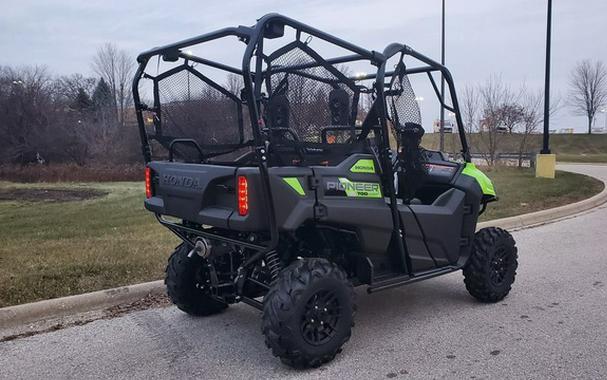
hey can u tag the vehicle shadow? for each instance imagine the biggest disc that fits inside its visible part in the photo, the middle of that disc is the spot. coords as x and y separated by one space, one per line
235 333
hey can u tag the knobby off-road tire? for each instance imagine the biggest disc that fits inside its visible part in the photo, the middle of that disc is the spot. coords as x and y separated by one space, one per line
308 313
491 269
184 279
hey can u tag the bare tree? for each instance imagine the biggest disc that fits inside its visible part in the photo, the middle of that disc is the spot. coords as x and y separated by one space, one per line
69 86
512 115
494 96
25 110
532 105
47 119
116 67
533 116
344 69
470 108
588 89
37 123
234 83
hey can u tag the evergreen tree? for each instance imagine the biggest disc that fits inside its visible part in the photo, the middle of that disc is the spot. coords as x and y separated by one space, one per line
83 101
102 96
103 106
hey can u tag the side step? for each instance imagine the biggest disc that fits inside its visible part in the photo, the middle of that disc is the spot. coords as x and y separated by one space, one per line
252 302
406 279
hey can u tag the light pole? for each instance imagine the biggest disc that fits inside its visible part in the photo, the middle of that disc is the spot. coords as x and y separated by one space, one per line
545 164
546 147
442 82
604 110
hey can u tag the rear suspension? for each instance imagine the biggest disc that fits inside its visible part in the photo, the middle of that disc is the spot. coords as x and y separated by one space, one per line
274 265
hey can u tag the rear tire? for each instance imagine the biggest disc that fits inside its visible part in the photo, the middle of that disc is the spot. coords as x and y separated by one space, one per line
308 313
185 280
491 269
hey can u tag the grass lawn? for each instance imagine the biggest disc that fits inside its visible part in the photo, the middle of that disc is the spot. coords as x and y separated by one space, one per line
567 147
519 192
51 249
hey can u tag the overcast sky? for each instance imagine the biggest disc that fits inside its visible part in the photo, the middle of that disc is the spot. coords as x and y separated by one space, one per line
484 37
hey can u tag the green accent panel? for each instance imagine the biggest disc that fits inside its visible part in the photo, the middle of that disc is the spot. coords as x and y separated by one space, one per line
295 185
360 189
364 165
485 183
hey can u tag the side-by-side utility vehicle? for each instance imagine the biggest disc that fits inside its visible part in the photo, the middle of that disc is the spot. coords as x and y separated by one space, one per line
292 171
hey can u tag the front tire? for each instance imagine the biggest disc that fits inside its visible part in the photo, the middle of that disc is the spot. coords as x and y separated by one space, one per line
186 284
308 313
491 269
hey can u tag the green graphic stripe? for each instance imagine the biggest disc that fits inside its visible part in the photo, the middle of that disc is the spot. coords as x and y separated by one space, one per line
360 189
485 183
295 185
364 165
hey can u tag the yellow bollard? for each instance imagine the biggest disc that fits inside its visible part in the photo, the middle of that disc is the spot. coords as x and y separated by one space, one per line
545 165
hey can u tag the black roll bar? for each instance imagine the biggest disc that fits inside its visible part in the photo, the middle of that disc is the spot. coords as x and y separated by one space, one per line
145 145
253 89
254 37
432 66
240 32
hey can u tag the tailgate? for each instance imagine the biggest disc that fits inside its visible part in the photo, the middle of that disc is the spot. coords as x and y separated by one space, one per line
198 193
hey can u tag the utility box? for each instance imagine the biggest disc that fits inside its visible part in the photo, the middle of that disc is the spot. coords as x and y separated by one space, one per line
545 165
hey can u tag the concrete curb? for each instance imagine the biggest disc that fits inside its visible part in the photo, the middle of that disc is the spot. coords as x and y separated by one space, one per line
54 308
581 163
549 215
59 307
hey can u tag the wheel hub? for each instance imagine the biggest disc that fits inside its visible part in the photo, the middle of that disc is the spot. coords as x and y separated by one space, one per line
320 317
500 266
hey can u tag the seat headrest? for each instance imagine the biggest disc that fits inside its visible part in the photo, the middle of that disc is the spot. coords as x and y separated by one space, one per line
339 106
278 110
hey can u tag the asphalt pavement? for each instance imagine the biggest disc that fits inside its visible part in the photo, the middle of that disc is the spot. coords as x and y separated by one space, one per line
552 325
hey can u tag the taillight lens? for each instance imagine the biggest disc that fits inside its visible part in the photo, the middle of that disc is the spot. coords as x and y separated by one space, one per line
243 195
148 182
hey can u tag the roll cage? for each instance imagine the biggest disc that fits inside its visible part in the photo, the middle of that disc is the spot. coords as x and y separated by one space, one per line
257 72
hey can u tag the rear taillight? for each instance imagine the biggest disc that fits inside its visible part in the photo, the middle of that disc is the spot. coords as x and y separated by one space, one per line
148 182
243 195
